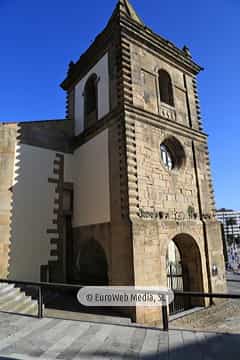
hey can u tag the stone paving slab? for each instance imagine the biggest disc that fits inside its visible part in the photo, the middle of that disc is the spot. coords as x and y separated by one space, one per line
224 317
30 338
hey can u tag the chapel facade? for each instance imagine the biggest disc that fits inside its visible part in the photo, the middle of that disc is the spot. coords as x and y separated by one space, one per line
110 194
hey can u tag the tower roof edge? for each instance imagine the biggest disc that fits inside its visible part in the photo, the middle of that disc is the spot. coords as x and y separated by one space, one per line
126 8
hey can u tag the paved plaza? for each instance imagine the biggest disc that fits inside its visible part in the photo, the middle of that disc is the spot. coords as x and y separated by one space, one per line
233 281
29 338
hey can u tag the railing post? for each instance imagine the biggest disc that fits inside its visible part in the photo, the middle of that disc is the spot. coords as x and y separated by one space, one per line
211 300
40 303
165 316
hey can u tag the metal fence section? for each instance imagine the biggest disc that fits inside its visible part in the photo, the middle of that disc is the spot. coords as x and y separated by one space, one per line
177 276
165 313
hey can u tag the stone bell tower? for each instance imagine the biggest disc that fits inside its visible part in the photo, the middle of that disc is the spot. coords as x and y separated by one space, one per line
160 189
170 190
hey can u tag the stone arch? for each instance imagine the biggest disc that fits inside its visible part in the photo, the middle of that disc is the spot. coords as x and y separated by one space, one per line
190 257
92 264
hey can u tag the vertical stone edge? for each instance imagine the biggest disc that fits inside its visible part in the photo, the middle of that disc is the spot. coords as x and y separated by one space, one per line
197 103
56 233
6 249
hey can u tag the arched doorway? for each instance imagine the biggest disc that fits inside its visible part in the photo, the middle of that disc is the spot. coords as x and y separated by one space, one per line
184 271
91 264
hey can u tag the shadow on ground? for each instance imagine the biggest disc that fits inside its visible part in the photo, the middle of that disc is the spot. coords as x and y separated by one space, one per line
67 301
179 347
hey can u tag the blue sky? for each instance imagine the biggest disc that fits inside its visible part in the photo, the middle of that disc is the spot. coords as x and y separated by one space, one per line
39 38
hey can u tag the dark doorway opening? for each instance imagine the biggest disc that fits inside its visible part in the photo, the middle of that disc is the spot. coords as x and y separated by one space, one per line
91 264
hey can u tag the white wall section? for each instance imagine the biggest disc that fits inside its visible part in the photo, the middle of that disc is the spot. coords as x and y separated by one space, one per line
33 200
91 182
32 215
101 70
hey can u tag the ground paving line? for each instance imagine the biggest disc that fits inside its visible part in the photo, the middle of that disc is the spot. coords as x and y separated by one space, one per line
175 345
16 319
74 331
7 316
136 342
115 345
189 337
151 343
128 343
208 337
94 344
39 343
55 331
77 345
12 325
23 332
31 342
163 346
201 342
125 343
191 344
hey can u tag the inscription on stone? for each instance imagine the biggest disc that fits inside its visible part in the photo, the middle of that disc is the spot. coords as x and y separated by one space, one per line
173 215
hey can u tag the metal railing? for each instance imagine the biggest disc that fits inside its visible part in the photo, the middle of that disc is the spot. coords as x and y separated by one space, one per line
189 294
165 311
41 287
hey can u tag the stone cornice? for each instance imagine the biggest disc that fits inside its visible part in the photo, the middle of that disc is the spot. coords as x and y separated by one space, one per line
146 36
94 53
136 31
98 127
157 121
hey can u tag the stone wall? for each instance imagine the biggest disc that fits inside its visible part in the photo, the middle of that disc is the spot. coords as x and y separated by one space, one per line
170 192
214 236
164 204
8 134
145 68
150 241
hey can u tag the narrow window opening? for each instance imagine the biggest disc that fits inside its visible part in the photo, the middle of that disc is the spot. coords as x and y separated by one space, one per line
90 101
165 87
